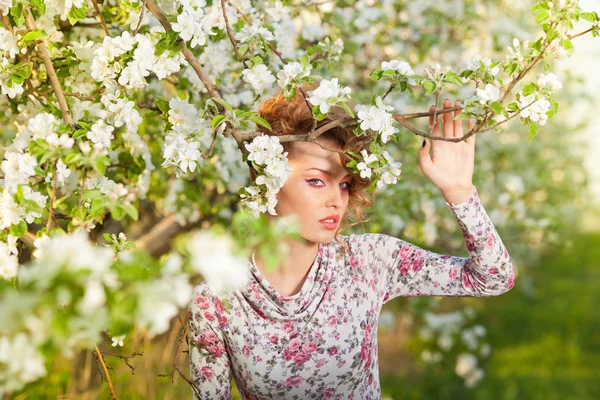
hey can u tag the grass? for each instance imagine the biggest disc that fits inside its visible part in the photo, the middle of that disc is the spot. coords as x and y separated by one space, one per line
546 345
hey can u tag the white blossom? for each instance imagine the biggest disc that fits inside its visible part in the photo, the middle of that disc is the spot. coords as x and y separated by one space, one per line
101 134
291 72
475 63
212 257
550 82
251 32
8 262
313 32
23 362
489 94
536 112
402 68
327 94
118 340
17 169
377 118
363 166
259 78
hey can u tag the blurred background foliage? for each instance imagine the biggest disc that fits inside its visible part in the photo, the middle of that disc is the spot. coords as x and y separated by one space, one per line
541 338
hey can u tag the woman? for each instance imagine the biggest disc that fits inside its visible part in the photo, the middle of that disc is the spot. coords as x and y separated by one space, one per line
308 330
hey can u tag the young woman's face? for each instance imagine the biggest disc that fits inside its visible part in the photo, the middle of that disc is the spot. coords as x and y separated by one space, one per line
317 189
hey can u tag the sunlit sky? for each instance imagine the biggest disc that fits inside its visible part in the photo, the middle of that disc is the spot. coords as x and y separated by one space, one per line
585 61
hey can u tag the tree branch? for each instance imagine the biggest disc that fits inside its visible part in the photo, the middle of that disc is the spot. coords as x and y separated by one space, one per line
64 108
99 12
106 374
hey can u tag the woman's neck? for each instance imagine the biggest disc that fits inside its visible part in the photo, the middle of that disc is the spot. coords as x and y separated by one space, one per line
291 272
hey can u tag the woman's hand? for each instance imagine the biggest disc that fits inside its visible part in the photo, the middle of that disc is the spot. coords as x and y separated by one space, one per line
451 169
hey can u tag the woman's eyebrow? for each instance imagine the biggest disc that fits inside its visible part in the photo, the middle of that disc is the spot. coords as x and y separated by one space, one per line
325 171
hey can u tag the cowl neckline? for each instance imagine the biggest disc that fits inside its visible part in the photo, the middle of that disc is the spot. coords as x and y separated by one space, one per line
268 303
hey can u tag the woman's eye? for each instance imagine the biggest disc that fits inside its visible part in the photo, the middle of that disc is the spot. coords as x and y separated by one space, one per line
346 185
314 180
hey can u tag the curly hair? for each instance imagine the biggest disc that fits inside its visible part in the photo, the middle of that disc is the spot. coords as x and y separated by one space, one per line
295 118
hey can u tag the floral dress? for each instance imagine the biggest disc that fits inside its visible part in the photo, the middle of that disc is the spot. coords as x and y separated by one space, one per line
321 343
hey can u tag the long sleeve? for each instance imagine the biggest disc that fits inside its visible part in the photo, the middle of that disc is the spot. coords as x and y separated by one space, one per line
209 361
404 269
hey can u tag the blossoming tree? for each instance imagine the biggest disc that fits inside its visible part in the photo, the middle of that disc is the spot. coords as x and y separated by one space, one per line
103 102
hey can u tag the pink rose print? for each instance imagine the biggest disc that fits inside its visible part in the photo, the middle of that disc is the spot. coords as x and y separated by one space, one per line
453 273
309 347
300 358
246 350
295 344
405 251
405 267
222 321
202 302
328 393
320 363
353 262
493 271
294 381
288 326
274 339
219 306
209 316
333 320
466 278
207 373
211 337
417 264
491 240
332 351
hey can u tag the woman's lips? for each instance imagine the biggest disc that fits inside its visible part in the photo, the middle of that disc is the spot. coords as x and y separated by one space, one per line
332 226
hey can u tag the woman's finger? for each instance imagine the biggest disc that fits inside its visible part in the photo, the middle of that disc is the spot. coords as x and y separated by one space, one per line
447 117
458 124
471 139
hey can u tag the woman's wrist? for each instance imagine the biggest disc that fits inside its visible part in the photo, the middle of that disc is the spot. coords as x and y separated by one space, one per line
455 197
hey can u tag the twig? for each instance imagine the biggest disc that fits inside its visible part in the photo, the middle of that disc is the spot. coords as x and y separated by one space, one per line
212 145
175 367
83 97
583 33
273 49
64 108
106 374
137 28
388 91
305 96
7 24
125 358
52 198
233 40
99 12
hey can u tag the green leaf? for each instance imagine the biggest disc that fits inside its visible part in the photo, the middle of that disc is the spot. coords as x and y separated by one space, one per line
377 74
31 36
261 121
18 230
77 13
430 87
217 120
590 16
223 103
497 107
347 109
532 130
163 105
542 17
528 89
17 13
568 46
79 133
132 211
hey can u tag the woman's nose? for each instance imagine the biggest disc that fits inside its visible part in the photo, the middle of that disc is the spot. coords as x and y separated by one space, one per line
335 198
